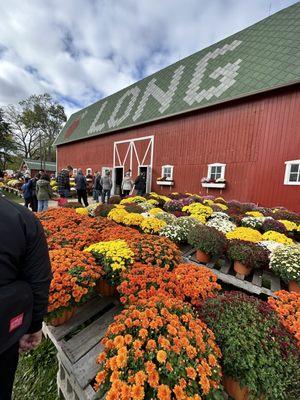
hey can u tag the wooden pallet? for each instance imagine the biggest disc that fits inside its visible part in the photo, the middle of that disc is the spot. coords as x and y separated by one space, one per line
259 282
78 344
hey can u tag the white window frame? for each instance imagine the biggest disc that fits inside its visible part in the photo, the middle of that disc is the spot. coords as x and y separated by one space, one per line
287 174
170 178
210 166
87 171
75 170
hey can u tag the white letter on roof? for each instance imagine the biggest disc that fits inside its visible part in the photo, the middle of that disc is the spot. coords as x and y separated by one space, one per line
134 92
228 73
164 98
94 127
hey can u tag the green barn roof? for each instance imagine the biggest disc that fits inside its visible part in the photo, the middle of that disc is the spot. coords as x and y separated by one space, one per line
36 165
260 58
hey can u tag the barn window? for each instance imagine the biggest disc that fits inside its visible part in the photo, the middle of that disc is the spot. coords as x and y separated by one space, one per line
292 172
216 171
74 171
167 172
88 171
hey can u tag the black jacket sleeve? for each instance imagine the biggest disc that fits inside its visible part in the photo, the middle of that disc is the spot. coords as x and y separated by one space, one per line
36 270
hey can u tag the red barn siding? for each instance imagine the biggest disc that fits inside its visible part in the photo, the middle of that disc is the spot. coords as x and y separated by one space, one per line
253 137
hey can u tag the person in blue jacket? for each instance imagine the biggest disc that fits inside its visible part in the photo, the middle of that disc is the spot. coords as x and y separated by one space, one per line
27 194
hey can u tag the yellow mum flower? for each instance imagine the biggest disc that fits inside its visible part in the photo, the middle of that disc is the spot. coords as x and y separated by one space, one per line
276 237
152 225
82 211
290 226
248 234
255 214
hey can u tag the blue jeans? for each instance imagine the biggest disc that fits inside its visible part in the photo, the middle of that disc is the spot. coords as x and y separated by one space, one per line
42 205
105 193
96 194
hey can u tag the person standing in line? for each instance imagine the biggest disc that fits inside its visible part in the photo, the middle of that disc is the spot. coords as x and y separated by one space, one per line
97 187
25 276
106 184
80 182
44 193
32 184
140 184
26 192
127 184
63 181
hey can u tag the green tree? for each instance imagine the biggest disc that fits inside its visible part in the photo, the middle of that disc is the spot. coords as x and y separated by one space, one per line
35 123
7 145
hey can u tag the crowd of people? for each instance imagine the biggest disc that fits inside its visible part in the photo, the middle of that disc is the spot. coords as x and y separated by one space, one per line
37 190
101 185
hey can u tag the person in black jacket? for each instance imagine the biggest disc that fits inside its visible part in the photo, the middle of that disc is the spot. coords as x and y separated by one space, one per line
80 181
63 181
140 184
23 257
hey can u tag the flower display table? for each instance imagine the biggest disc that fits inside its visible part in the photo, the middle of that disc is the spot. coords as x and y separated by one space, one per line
258 282
78 344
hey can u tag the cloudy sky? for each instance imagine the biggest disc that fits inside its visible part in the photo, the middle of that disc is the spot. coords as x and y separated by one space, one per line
83 50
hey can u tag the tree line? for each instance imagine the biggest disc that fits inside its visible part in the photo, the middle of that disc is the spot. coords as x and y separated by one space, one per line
29 128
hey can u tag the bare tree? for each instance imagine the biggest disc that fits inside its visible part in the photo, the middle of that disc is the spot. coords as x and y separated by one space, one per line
26 138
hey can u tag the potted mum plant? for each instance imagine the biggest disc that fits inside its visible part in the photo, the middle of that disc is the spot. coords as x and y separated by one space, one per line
247 256
285 262
74 277
260 358
208 242
158 349
114 256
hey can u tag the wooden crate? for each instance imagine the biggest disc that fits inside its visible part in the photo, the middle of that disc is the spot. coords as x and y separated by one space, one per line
258 282
78 344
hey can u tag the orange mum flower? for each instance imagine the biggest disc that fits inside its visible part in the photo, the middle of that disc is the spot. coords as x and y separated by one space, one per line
161 356
164 392
137 392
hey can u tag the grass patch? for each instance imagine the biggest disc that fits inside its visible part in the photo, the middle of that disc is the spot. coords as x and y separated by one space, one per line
36 374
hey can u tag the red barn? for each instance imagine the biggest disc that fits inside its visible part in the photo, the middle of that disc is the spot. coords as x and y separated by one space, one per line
224 120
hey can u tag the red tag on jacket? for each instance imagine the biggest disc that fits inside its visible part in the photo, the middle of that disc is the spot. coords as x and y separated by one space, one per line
16 322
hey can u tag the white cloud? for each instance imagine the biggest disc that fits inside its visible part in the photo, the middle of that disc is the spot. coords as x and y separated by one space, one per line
79 50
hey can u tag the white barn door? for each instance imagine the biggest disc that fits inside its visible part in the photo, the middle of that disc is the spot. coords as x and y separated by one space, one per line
132 154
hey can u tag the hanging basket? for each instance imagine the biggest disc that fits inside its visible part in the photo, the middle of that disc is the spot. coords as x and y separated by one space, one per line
202 257
294 286
103 288
64 317
241 268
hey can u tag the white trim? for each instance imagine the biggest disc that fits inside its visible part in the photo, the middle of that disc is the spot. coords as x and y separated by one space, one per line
88 173
293 162
149 145
223 167
136 154
213 185
165 183
162 171
135 139
287 173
